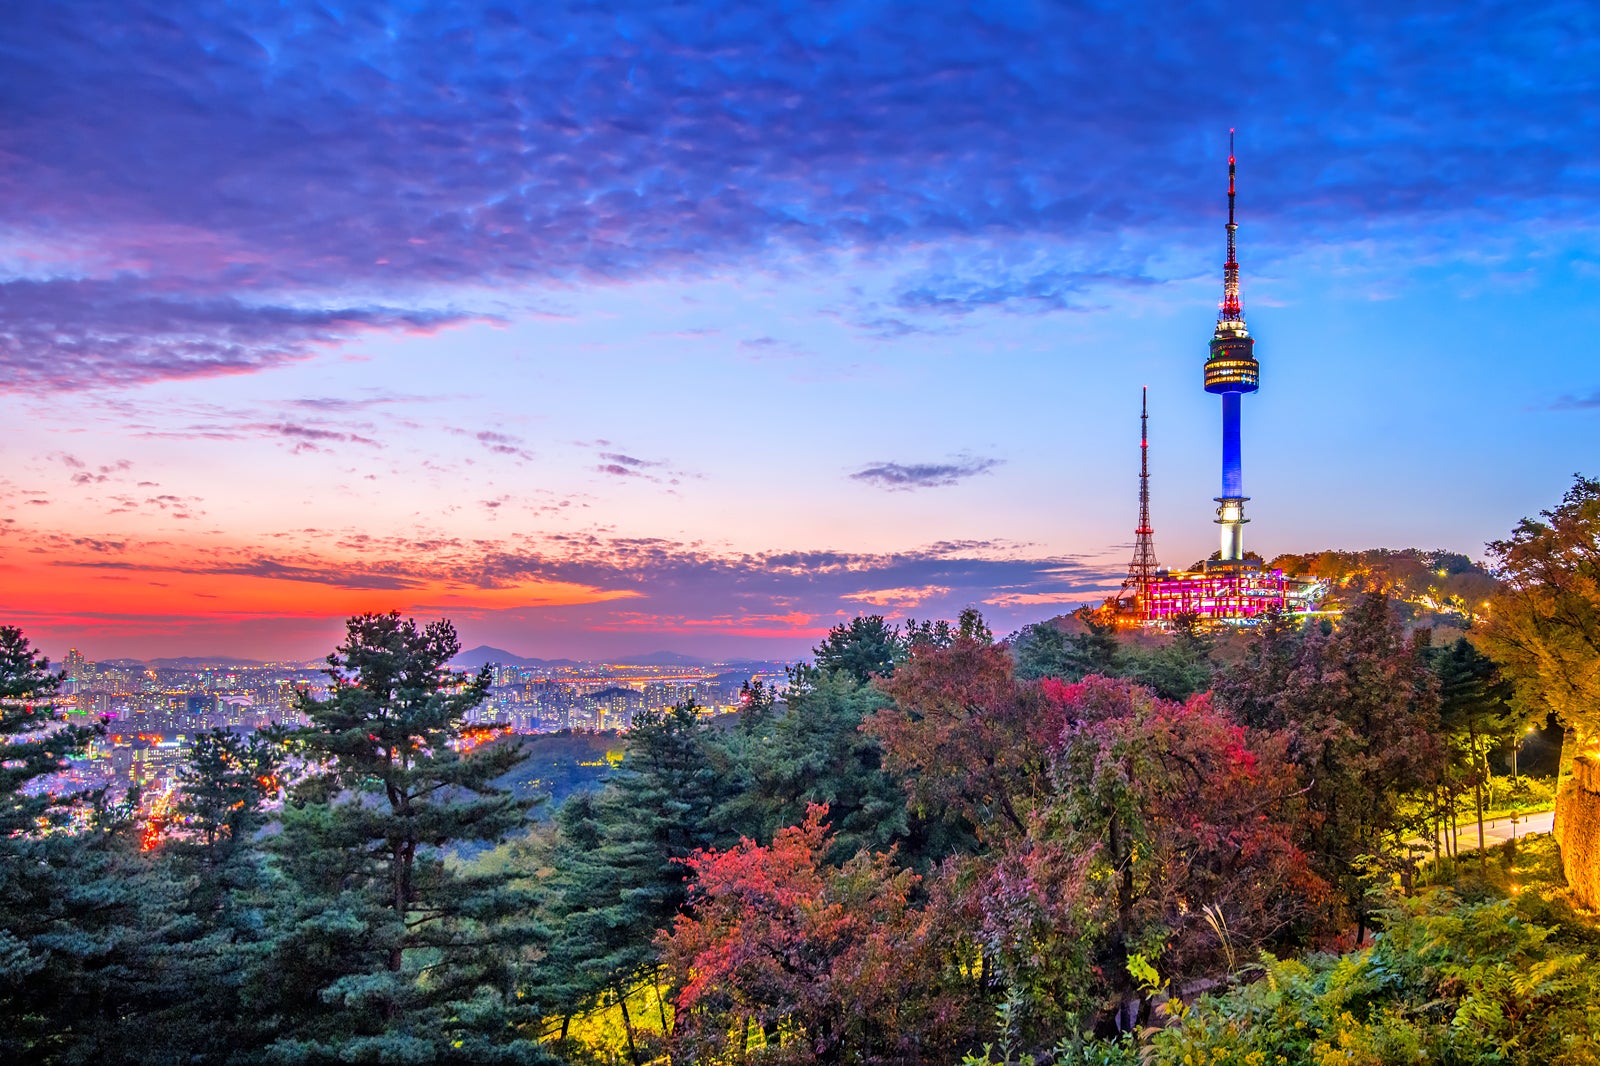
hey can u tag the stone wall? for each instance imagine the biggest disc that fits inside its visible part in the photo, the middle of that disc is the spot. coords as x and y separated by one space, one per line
1577 829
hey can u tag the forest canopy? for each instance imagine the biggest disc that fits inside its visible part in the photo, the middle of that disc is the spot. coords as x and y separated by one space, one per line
928 845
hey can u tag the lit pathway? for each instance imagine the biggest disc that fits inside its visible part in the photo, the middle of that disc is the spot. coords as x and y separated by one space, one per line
1497 831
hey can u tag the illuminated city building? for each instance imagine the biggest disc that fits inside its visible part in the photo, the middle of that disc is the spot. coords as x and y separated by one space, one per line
1240 593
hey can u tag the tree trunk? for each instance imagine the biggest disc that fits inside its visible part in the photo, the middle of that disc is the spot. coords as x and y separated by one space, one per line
1124 900
627 1026
1569 750
1483 847
1479 762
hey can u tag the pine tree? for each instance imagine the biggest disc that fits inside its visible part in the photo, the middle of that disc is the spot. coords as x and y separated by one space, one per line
224 788
1361 711
1475 709
619 871
380 950
82 911
214 853
34 745
864 648
817 753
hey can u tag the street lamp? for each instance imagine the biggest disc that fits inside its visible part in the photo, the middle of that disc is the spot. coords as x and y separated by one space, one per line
1514 749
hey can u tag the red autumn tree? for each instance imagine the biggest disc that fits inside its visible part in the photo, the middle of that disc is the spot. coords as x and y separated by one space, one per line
814 963
1167 835
969 743
1159 834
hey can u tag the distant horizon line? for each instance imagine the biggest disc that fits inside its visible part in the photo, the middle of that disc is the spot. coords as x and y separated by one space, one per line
512 659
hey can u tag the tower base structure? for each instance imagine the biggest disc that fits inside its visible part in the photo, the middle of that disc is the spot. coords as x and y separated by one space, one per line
1230 516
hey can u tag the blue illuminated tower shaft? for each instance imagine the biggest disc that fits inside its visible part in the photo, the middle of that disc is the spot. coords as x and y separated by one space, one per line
1230 505
1232 464
1231 371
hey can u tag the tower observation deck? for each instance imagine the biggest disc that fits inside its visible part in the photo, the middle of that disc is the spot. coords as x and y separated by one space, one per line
1231 371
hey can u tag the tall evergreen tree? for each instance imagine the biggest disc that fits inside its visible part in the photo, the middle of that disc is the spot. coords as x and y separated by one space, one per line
865 647
1361 710
213 854
1474 707
817 753
223 791
619 871
380 950
83 914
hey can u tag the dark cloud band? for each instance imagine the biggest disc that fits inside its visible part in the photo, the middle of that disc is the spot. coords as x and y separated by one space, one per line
905 476
83 334
224 154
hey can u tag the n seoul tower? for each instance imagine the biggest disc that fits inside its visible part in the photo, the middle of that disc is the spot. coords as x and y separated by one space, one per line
1231 371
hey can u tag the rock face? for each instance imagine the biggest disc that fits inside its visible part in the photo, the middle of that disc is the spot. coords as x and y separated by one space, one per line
1577 830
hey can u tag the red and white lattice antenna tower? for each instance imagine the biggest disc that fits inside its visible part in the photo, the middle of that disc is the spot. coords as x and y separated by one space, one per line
1142 569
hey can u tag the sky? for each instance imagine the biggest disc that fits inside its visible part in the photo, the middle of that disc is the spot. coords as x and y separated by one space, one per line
607 328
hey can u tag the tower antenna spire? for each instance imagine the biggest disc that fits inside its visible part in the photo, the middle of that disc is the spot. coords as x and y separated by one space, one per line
1231 309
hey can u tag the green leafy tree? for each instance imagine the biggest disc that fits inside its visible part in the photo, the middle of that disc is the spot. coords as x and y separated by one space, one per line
1044 649
380 950
1544 625
1176 669
817 753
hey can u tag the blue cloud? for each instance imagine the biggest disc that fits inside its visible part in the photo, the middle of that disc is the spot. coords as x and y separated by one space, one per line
301 152
68 334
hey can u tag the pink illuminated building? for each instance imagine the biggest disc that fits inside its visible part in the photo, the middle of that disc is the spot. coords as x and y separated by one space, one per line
1235 593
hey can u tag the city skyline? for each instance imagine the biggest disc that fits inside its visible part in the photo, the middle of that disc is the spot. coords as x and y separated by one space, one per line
634 330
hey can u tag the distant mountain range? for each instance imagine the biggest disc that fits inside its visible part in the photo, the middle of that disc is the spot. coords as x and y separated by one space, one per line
659 658
472 659
484 655
194 662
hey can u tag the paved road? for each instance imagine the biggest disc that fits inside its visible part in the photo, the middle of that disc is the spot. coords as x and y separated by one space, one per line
1499 830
